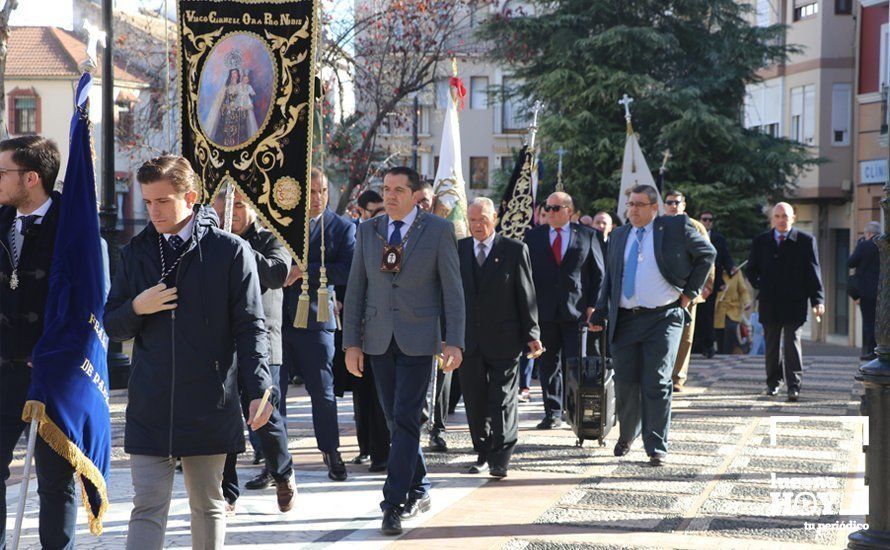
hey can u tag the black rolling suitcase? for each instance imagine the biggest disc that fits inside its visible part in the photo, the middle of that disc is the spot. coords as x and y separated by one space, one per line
590 392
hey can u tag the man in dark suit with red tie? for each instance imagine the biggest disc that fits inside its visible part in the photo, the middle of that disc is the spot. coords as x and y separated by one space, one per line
567 269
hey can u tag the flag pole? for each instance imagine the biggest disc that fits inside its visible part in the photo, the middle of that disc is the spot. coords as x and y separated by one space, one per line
26 477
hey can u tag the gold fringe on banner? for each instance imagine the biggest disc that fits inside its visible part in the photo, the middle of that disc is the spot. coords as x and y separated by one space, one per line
82 465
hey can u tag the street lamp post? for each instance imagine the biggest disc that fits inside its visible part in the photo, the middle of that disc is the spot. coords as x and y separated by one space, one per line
414 133
118 362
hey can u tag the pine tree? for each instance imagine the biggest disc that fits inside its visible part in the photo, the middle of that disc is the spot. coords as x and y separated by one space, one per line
686 63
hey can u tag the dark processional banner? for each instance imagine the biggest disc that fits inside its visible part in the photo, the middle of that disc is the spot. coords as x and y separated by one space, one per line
247 78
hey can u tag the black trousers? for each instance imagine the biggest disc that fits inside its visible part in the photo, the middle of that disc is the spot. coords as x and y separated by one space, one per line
491 396
868 307
560 340
705 337
370 422
789 360
55 476
442 398
273 439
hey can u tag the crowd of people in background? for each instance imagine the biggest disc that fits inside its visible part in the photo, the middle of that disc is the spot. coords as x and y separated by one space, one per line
212 315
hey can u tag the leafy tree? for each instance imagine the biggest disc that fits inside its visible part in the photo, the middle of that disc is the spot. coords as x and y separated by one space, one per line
686 63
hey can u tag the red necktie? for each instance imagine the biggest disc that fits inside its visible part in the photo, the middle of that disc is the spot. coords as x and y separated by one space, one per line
557 247
781 239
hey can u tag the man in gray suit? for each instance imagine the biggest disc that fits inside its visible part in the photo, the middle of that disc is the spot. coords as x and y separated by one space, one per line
656 266
405 276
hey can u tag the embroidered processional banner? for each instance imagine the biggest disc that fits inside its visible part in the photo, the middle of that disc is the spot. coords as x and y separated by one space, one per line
247 83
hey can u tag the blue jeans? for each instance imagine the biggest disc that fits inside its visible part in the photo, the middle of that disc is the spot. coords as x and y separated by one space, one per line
402 382
526 366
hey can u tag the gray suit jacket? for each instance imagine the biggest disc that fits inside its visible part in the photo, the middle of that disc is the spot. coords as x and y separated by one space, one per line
683 255
408 305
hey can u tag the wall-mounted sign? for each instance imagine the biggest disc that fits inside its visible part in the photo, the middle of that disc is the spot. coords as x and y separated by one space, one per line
873 171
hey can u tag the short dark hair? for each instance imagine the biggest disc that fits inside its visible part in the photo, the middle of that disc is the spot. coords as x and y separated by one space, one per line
368 197
675 193
36 154
173 168
648 190
426 184
410 173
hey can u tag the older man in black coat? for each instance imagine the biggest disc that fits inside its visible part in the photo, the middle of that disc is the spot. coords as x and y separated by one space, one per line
866 261
784 268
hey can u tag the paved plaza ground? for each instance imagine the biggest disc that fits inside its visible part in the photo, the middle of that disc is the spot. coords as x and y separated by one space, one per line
729 484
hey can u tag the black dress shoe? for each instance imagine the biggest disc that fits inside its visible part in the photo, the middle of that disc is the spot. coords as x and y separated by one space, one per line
377 466
549 423
621 448
263 480
772 391
361 459
336 468
416 506
258 459
658 459
437 444
296 380
392 523
793 394
497 471
478 467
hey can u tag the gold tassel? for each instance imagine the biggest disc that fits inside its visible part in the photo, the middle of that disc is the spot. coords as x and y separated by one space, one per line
324 303
83 466
302 319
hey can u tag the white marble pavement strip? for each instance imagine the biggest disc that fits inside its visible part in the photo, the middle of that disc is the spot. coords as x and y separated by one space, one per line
346 514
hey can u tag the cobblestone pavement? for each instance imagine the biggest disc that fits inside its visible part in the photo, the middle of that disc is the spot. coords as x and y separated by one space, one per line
728 484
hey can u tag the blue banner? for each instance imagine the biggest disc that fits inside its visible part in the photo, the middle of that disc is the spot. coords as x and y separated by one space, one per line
69 382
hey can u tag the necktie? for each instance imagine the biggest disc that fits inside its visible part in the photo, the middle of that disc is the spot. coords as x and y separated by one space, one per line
781 239
480 257
175 242
557 246
630 266
26 222
396 238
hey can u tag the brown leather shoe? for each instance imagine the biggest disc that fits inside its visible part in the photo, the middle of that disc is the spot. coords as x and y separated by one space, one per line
286 491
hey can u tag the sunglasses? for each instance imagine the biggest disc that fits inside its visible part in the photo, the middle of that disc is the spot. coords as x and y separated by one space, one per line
673 203
708 219
552 207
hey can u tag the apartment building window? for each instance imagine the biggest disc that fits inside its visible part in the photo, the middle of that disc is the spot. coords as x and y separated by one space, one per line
803 114
763 107
804 9
511 118
843 7
763 13
479 92
841 111
507 164
478 172
23 112
884 56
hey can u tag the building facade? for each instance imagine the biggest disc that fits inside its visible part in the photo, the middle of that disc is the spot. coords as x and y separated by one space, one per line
809 99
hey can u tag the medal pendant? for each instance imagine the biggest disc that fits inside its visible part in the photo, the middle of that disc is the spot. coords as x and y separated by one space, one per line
392 259
14 280
639 258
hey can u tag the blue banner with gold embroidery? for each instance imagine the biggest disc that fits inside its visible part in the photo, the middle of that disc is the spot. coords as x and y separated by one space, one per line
69 382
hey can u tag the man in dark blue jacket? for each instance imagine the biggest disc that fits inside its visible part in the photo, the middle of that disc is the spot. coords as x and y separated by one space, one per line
866 261
310 351
567 269
189 294
28 220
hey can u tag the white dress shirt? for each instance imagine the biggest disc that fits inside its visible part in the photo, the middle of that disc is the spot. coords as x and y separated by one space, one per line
486 245
651 289
408 222
185 233
566 233
40 212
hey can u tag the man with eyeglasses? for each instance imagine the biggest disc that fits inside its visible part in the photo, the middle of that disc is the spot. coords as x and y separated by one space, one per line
705 336
657 266
675 205
567 269
28 219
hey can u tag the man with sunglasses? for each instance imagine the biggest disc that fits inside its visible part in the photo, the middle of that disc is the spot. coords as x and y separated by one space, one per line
567 268
705 335
28 219
675 205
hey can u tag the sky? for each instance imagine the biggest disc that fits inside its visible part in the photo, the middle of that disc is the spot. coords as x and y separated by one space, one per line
59 13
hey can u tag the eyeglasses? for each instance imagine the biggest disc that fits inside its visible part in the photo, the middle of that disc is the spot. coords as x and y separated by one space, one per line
673 203
638 204
552 207
3 171
708 219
